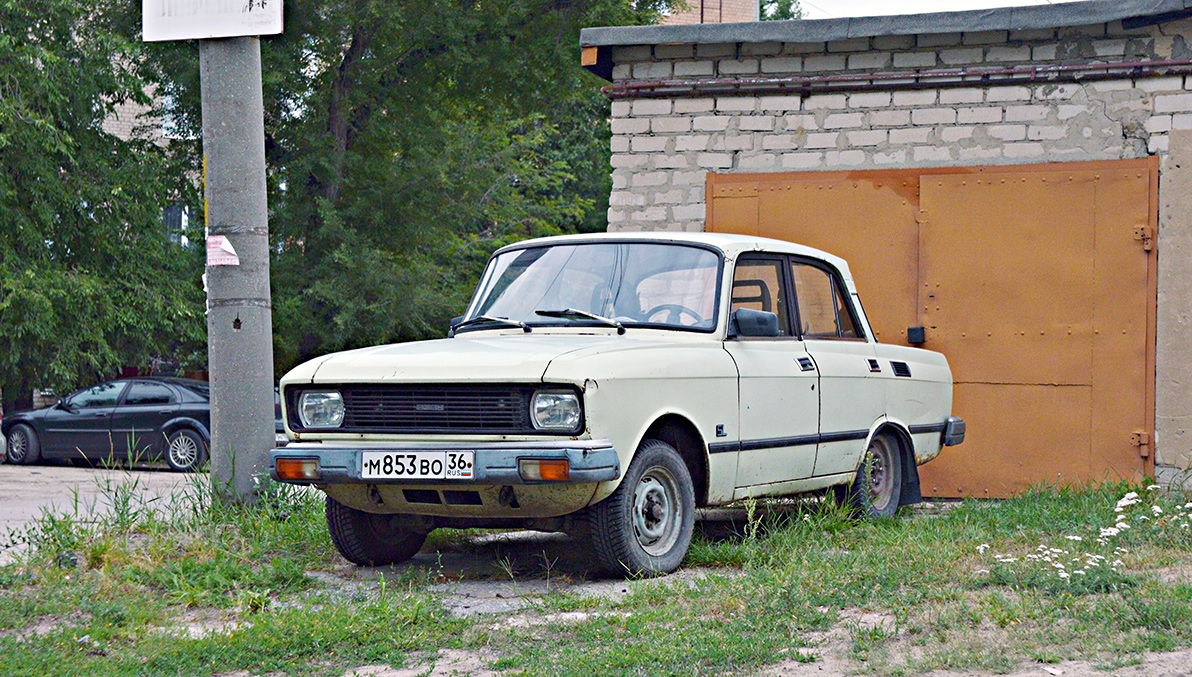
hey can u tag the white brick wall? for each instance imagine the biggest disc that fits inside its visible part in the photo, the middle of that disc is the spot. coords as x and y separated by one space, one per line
662 148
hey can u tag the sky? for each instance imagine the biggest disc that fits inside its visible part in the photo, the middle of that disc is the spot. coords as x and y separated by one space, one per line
835 9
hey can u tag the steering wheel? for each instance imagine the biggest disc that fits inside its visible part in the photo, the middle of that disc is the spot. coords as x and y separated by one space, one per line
674 313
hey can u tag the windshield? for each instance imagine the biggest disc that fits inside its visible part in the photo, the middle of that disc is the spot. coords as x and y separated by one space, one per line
636 284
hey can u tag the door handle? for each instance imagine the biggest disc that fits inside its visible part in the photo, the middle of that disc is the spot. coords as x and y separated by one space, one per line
806 364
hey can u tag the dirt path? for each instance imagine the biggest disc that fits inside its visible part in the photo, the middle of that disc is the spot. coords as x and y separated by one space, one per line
27 491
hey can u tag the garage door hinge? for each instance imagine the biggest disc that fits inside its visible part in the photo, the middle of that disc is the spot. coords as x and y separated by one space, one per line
1145 235
1143 442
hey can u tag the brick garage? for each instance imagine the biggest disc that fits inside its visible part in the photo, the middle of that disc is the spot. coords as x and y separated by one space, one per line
1068 83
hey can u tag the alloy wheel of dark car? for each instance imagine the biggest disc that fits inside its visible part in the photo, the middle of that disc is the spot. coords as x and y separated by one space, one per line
185 450
22 445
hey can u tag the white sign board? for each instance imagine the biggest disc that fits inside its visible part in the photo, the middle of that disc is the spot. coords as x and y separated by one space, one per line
201 19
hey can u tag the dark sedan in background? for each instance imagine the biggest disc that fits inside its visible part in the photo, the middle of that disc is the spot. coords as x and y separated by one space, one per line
126 420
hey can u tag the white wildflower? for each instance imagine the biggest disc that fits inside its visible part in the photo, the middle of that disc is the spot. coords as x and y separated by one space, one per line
1126 525
982 548
1119 518
1064 574
1156 510
1142 518
982 572
1153 487
1109 531
1081 572
1118 563
1075 538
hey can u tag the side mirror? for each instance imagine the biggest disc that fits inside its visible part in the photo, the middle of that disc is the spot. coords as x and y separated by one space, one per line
452 325
752 324
61 404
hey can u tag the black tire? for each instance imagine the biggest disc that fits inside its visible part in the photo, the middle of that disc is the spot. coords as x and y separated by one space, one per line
23 447
370 540
644 528
185 450
877 490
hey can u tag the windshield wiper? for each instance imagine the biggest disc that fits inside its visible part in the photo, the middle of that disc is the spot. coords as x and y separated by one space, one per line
573 313
504 321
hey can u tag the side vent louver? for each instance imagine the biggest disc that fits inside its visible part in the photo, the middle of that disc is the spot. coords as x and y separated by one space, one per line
901 369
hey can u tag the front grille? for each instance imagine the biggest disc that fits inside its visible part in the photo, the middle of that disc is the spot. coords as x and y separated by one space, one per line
433 408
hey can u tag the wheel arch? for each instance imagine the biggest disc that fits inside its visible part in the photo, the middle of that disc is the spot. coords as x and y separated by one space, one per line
175 424
679 432
911 491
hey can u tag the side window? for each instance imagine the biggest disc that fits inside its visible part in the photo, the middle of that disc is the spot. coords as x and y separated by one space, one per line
823 312
148 393
758 285
102 395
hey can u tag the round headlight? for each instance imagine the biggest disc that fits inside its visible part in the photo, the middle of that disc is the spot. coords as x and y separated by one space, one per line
321 409
555 410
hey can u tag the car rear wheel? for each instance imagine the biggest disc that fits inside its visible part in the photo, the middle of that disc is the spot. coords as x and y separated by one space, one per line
644 528
877 489
368 539
185 450
23 447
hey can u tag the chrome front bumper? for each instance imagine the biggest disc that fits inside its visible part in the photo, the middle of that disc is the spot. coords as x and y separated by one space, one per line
495 462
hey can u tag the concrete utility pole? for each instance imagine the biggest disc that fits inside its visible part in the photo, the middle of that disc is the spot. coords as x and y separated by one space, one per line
239 314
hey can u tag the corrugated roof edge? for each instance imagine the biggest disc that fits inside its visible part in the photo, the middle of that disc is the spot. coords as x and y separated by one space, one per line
822 30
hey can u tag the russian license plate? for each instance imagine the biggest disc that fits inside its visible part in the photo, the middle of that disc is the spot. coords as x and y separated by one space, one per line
417 465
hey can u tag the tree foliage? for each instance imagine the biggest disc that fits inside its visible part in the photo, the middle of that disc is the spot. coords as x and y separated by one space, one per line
780 10
404 140
89 280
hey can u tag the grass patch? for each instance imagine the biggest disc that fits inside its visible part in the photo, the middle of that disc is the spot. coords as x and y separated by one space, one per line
1102 574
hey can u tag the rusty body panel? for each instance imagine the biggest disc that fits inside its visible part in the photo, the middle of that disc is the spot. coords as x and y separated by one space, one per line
1037 282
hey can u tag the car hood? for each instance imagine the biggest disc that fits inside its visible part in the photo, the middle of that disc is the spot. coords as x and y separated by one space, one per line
494 357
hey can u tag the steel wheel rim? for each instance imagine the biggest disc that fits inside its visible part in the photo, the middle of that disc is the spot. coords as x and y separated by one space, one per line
18 446
183 451
881 479
657 512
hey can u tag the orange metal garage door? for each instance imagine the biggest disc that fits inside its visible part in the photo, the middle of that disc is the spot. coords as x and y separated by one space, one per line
1036 281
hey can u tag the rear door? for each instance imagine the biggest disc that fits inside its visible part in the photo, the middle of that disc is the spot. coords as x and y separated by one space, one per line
850 398
138 419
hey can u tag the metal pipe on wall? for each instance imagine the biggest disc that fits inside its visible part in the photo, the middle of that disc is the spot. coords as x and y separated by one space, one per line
806 85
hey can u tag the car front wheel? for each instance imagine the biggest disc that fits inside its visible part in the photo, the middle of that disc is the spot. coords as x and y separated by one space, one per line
645 526
23 448
185 450
368 539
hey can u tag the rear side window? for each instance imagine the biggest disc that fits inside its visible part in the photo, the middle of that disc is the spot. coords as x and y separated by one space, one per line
823 311
148 393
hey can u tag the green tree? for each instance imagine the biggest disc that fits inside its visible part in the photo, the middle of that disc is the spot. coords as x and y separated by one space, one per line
780 10
89 280
404 140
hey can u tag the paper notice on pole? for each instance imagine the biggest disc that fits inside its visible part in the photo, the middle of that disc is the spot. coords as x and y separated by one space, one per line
220 251
204 19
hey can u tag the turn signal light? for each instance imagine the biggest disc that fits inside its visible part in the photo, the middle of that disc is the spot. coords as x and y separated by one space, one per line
544 470
298 468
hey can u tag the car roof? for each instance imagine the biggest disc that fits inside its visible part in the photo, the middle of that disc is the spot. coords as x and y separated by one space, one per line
729 244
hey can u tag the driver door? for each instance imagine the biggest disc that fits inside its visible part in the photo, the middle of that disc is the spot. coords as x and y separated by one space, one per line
80 426
778 379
